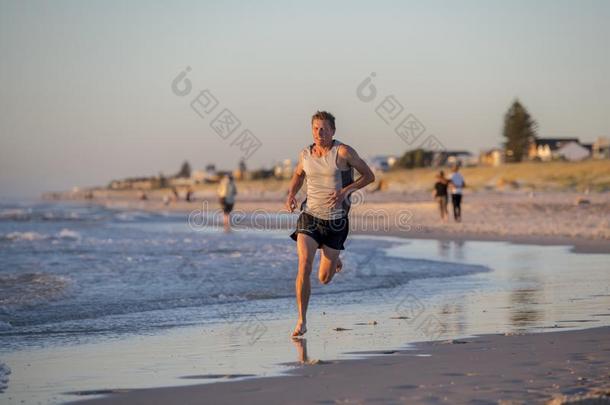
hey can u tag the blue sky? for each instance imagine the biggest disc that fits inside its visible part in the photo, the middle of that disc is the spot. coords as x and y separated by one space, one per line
86 86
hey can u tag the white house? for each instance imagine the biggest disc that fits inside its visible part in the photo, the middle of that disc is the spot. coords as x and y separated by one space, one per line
545 149
492 157
601 148
198 176
383 163
283 170
573 151
461 158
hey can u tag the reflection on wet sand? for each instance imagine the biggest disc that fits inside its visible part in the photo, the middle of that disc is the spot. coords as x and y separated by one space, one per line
451 249
444 247
525 302
302 357
301 345
453 317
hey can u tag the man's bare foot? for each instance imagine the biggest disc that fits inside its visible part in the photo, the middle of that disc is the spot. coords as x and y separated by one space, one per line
339 265
300 330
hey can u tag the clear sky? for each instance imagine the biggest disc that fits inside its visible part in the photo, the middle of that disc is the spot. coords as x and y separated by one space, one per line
86 92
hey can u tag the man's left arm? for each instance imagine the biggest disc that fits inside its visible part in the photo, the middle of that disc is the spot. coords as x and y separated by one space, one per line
367 176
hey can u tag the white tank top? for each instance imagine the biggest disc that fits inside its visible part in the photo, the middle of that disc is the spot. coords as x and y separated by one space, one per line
323 178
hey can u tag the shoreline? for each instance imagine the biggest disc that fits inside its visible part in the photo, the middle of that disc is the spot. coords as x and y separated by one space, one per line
443 232
550 367
578 245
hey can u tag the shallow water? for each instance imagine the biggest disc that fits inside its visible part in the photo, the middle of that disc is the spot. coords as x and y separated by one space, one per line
125 300
76 273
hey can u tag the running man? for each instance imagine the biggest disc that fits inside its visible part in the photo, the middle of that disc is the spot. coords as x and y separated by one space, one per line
327 165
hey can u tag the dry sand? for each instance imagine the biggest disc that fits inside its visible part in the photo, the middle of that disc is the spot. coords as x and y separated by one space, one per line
556 367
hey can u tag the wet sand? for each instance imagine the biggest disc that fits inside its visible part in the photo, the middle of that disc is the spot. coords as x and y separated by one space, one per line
578 245
562 367
506 363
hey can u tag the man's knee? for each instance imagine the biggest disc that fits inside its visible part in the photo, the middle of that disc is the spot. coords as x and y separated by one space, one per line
305 266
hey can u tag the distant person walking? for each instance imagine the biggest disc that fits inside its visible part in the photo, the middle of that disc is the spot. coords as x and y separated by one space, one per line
457 184
227 192
440 194
189 195
327 166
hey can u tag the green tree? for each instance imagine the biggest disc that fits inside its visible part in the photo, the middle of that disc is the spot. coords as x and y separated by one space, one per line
416 158
185 170
519 131
162 181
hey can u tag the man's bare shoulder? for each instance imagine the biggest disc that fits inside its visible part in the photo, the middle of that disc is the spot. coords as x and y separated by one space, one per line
345 151
304 150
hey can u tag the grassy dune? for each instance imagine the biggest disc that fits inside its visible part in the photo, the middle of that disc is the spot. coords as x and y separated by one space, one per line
553 176
556 176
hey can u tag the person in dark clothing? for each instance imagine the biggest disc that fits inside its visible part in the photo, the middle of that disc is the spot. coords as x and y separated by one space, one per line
457 185
440 194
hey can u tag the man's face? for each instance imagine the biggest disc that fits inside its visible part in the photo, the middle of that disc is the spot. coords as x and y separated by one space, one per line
322 133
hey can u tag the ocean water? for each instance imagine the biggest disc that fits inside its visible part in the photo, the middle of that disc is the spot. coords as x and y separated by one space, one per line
75 273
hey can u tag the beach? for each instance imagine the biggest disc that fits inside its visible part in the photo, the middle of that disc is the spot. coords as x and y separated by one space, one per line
313 203
555 202
130 324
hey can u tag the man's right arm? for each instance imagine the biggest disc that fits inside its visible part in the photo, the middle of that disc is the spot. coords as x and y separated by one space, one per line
295 185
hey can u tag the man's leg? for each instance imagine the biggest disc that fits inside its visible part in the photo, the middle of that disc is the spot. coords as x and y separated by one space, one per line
226 221
306 248
444 212
328 264
439 202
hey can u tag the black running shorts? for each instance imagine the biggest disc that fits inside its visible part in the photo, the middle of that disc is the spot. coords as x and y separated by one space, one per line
226 207
331 233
